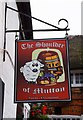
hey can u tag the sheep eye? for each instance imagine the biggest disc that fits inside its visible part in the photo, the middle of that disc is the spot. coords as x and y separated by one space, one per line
33 65
36 65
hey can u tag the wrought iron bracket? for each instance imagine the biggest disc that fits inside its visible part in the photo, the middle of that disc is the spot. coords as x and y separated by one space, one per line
56 28
38 30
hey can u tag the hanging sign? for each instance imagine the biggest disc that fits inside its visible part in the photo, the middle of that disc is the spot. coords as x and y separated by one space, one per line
42 70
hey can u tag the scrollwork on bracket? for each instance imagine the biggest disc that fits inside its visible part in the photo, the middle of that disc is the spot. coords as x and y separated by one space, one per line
65 21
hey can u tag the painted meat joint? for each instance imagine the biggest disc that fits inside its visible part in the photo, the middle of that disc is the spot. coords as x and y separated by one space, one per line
42 70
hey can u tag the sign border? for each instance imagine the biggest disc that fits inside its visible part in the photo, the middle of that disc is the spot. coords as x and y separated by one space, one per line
68 68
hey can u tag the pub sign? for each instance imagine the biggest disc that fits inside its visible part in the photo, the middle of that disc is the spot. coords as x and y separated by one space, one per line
42 70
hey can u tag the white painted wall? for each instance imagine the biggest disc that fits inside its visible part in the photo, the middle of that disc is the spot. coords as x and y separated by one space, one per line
1 34
6 68
82 18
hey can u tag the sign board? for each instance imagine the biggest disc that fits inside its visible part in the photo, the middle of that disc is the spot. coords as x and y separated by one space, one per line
42 70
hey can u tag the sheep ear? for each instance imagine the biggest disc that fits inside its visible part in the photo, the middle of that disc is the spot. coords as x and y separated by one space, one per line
28 63
21 69
42 65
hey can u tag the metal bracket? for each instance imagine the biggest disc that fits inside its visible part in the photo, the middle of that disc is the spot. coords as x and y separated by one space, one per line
56 28
38 30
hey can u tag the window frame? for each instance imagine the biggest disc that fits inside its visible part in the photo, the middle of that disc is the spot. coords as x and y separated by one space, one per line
73 79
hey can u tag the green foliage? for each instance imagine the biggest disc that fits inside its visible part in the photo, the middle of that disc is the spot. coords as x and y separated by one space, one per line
39 117
43 117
